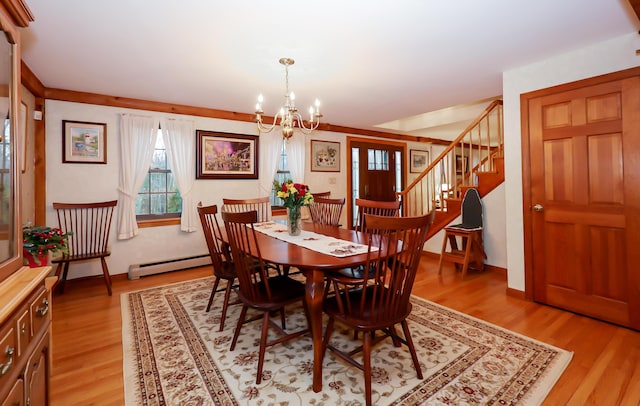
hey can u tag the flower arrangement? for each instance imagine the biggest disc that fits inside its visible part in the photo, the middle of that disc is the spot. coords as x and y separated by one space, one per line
294 195
38 241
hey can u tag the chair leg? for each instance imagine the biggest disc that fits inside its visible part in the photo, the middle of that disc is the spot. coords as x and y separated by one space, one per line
366 358
412 349
64 276
105 272
467 255
243 314
263 345
327 336
444 249
225 304
213 293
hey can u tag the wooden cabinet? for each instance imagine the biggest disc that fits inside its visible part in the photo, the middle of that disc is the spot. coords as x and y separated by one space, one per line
25 319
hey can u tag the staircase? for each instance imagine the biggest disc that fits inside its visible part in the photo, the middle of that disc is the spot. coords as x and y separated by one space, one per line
474 159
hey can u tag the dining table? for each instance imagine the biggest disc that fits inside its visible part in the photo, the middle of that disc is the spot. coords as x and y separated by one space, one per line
314 266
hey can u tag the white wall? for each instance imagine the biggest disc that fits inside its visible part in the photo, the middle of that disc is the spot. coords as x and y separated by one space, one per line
71 182
597 59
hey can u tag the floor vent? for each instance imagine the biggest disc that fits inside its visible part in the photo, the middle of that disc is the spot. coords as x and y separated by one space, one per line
152 268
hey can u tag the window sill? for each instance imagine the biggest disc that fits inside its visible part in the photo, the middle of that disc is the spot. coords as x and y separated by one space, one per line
158 223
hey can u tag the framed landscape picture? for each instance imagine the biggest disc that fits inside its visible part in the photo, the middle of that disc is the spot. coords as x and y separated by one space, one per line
226 156
419 160
325 156
84 142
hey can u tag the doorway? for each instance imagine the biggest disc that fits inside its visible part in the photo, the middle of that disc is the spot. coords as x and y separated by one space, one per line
376 171
582 196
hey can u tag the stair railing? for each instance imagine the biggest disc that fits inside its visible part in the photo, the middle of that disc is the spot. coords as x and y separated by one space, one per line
457 166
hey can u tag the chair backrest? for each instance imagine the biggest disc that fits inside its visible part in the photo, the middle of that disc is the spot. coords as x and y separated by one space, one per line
471 209
218 249
375 207
390 271
250 267
324 195
89 224
326 211
262 205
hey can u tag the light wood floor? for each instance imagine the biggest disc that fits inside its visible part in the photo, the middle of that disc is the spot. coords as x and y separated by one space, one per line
605 369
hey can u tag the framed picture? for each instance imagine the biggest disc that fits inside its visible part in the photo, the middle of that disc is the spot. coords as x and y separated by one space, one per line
419 160
226 156
23 136
84 142
325 156
462 164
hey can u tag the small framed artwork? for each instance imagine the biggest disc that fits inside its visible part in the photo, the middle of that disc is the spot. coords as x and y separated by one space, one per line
226 156
325 156
419 160
84 142
23 136
462 164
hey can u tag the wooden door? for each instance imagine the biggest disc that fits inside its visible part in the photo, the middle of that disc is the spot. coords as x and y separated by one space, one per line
585 198
376 171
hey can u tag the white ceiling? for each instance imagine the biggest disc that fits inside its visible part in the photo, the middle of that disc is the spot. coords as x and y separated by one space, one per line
369 62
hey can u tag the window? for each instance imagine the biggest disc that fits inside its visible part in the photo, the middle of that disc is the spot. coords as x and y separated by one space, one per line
158 197
282 175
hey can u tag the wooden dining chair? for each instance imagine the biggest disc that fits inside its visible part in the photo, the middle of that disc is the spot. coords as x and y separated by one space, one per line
258 290
324 195
382 300
326 211
88 225
221 261
375 207
262 205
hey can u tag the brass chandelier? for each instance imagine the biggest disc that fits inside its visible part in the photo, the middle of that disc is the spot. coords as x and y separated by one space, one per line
288 115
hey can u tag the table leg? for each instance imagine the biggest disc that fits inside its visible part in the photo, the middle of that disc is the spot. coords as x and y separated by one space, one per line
314 294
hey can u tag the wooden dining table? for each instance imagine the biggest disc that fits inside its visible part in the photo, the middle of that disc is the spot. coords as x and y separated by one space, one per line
314 265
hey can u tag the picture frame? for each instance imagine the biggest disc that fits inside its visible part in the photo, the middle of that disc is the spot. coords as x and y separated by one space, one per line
460 164
418 160
23 135
222 155
84 142
325 156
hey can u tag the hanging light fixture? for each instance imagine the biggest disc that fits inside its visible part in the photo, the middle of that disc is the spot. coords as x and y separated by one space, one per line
288 115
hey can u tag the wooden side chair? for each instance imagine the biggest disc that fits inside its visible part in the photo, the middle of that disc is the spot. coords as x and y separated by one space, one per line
221 261
378 208
471 253
259 291
381 301
262 205
326 211
89 225
324 195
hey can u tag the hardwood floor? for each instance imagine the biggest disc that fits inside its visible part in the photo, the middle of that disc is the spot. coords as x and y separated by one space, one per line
605 369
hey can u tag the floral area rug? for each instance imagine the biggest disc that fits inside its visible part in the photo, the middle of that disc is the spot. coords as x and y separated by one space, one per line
174 355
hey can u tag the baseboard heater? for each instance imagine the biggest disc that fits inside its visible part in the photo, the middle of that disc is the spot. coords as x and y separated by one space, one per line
152 268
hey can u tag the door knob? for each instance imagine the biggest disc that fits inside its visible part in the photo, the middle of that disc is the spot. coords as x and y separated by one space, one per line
538 207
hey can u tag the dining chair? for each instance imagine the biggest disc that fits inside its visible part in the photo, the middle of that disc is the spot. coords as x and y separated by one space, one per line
258 290
382 300
221 261
324 195
326 211
88 225
262 205
378 208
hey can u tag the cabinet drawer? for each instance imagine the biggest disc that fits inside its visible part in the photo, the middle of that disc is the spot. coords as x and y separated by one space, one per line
8 352
39 310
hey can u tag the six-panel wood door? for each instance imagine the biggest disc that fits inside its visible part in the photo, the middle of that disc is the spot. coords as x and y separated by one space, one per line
585 200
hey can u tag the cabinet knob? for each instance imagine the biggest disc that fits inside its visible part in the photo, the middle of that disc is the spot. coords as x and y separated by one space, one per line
44 309
4 368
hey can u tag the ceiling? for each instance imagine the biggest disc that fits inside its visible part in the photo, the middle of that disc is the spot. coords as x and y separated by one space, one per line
369 62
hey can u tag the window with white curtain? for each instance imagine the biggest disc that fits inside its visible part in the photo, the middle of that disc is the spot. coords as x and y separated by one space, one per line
282 175
159 197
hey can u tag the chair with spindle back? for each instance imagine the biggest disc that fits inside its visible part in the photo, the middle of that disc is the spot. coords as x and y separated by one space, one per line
326 211
262 205
89 225
375 207
324 195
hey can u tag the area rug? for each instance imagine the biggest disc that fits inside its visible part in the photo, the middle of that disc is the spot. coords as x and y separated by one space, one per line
174 355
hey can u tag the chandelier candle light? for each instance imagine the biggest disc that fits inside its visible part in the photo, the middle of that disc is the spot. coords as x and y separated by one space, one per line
288 114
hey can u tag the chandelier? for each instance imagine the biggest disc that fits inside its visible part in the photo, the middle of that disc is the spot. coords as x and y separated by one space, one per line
288 115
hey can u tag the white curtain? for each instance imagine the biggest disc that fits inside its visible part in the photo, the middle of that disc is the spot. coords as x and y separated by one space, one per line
270 149
179 140
296 156
138 139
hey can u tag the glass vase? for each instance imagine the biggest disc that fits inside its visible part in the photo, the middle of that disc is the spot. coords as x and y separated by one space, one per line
294 221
